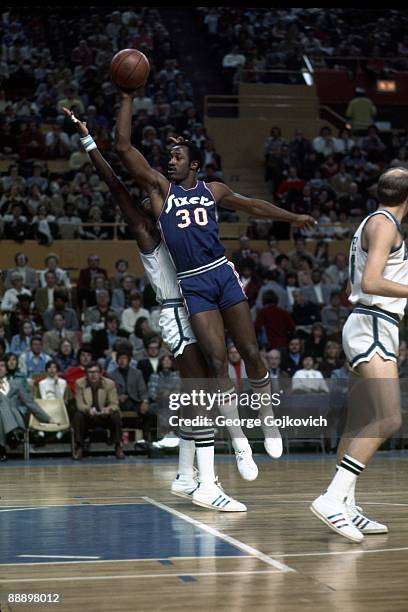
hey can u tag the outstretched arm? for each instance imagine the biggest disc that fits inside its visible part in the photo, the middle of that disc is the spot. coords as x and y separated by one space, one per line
141 228
154 183
226 198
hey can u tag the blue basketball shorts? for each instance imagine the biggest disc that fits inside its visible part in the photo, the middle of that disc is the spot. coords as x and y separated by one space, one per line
217 289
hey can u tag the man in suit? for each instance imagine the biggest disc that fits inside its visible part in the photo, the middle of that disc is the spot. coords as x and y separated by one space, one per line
151 363
29 274
96 316
15 404
44 297
103 340
97 405
60 306
132 393
279 378
318 292
86 276
292 356
52 338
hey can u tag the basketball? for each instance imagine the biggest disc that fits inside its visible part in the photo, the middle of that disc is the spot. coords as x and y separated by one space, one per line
129 69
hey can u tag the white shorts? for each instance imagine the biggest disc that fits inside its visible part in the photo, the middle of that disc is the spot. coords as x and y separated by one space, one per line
175 326
369 331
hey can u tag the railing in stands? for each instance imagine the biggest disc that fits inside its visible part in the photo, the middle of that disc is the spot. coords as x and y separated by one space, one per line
355 62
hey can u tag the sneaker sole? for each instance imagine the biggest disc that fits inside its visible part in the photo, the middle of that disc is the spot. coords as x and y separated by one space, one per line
382 530
181 494
210 507
333 528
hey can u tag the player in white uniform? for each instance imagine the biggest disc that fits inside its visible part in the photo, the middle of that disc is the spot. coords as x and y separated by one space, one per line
378 268
177 333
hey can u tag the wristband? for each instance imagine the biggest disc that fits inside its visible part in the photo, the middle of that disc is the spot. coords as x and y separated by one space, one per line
88 143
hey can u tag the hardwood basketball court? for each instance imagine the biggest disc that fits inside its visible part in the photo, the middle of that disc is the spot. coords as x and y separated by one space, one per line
110 537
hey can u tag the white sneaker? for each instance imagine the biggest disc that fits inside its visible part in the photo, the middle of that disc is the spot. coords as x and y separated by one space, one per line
365 525
274 446
167 442
183 486
211 495
335 515
246 465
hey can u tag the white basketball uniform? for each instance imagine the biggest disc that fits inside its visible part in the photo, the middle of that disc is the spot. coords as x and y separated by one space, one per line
174 324
373 325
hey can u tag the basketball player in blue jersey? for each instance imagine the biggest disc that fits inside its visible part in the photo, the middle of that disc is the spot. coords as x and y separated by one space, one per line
378 266
176 332
185 209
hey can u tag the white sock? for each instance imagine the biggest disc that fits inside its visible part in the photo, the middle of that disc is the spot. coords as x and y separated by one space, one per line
205 464
229 409
351 497
263 387
186 457
345 479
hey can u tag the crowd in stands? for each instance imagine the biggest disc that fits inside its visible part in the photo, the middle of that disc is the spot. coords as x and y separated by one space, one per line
95 343
333 176
63 341
249 42
56 59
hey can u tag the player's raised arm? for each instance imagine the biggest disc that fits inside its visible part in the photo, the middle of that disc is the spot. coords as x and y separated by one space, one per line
226 198
154 183
380 234
141 228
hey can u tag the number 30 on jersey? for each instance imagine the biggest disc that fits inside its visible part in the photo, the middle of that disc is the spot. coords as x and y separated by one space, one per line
199 214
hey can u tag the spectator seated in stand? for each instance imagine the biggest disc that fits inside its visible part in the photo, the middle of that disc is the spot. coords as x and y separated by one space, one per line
97 406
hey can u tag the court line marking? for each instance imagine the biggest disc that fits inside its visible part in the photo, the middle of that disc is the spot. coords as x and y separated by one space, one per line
26 508
127 560
341 552
215 532
160 575
56 557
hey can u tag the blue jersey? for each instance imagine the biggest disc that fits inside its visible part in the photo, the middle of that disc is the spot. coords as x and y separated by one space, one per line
189 226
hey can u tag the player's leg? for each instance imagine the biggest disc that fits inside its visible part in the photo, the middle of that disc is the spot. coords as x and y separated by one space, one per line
377 395
237 319
206 492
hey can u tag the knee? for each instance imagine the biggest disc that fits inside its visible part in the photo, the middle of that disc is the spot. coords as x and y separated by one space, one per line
393 425
250 354
218 366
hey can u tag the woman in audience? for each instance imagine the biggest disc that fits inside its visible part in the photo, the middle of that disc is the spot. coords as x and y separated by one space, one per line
331 359
65 358
316 342
21 341
13 370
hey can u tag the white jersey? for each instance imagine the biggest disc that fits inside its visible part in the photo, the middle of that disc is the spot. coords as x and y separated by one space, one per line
161 273
396 269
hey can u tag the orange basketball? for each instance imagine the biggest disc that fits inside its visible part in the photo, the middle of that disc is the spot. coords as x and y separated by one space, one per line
129 69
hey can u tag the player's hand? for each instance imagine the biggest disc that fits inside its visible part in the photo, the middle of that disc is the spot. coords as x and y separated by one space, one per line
305 222
80 125
131 93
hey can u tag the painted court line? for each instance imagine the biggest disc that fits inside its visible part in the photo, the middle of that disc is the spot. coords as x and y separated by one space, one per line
160 575
54 557
342 552
236 543
174 559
